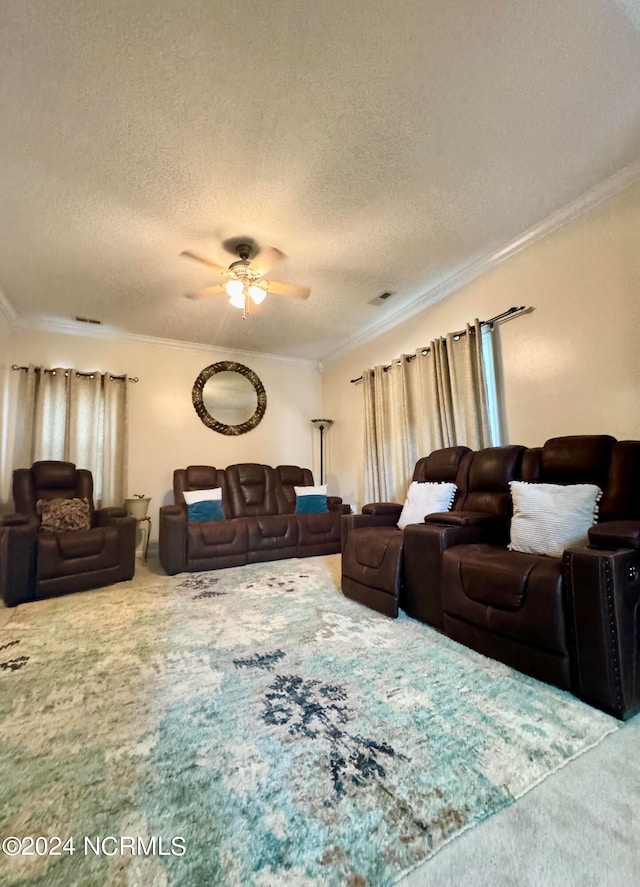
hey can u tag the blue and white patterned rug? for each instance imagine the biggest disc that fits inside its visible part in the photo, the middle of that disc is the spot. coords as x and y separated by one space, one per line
254 727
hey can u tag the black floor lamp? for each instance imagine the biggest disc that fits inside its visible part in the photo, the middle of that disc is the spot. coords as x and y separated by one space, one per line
322 424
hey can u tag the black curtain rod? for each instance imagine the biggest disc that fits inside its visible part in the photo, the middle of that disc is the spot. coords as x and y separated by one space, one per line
80 375
508 313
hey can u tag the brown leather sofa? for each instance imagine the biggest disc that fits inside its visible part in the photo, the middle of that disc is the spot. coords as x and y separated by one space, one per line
372 562
260 524
36 564
571 620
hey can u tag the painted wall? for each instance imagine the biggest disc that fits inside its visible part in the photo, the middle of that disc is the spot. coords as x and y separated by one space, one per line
5 421
571 366
164 430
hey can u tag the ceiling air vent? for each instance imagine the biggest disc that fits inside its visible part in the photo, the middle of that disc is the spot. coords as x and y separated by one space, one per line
87 320
382 298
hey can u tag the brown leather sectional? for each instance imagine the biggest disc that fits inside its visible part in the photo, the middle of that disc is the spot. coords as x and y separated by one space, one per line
261 523
572 621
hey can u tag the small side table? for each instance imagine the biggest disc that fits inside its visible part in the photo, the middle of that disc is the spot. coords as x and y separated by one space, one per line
145 520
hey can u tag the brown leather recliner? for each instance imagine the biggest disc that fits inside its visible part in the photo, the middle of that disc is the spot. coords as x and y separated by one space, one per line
372 563
37 564
481 511
570 621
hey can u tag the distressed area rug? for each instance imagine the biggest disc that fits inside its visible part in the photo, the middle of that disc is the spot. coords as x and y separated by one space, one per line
254 727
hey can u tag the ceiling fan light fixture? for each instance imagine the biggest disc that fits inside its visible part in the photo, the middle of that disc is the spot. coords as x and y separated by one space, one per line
245 277
234 288
257 293
237 300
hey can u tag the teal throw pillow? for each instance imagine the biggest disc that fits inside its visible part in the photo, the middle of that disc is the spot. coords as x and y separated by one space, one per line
207 510
314 504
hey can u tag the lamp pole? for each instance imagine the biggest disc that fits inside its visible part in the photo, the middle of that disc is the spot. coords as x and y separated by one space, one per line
322 424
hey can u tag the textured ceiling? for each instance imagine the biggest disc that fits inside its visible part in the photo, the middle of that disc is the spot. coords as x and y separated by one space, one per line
380 145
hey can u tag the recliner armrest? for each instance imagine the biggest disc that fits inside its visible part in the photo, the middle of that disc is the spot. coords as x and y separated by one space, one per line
334 503
490 528
613 535
105 516
463 519
602 599
18 561
173 511
391 509
20 519
355 521
172 538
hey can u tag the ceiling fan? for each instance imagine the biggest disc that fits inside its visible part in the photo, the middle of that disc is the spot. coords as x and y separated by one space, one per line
246 281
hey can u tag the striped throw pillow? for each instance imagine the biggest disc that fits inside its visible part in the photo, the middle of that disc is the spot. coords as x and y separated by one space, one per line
548 518
423 499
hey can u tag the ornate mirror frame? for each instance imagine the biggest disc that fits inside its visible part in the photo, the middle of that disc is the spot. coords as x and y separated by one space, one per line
228 366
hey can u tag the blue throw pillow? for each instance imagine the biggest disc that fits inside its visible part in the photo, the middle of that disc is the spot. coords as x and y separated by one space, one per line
207 510
314 504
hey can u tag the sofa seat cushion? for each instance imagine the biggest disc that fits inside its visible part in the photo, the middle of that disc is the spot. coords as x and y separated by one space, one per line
495 579
371 557
272 532
206 539
319 528
506 592
77 551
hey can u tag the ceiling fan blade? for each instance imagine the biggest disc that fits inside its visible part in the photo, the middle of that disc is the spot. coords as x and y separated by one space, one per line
266 259
287 289
206 292
219 268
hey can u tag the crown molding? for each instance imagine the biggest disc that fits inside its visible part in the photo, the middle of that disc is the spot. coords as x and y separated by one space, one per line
592 198
43 323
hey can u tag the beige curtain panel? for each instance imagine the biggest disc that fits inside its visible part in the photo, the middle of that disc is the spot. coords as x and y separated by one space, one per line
76 417
435 398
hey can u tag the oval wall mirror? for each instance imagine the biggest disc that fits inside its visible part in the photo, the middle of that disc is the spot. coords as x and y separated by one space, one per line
229 397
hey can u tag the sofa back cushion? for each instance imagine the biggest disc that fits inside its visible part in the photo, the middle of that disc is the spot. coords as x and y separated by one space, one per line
577 459
198 477
447 465
288 477
531 465
51 479
440 466
487 483
621 495
251 489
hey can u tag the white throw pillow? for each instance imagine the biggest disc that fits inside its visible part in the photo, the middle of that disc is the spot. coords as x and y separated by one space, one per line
320 490
547 518
427 498
214 495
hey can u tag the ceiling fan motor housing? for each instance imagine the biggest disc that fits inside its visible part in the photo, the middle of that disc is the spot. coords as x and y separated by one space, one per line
242 271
